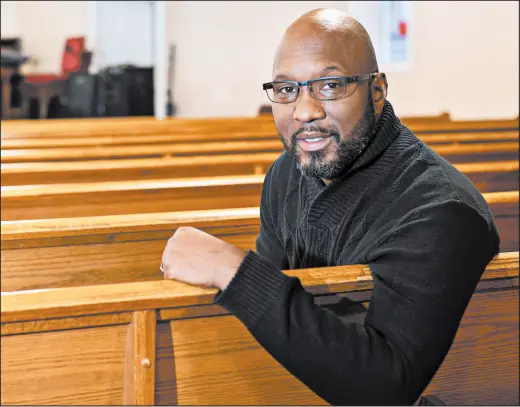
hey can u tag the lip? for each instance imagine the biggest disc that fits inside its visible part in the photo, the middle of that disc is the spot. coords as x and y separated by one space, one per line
311 134
315 146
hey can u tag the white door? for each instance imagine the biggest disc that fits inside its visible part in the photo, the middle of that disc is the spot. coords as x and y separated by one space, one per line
124 33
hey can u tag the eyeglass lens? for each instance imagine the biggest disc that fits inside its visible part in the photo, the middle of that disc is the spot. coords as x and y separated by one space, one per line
325 89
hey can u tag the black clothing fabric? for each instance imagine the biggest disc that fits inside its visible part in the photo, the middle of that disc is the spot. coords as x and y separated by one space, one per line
421 226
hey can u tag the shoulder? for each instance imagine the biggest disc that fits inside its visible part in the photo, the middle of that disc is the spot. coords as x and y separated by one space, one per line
422 188
420 176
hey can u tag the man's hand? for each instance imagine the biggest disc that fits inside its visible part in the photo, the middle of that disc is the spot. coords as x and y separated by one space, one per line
195 257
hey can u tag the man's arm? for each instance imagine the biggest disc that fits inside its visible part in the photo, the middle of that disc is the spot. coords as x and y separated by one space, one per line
425 271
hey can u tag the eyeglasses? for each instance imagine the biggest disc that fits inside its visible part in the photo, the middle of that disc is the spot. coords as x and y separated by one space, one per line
327 88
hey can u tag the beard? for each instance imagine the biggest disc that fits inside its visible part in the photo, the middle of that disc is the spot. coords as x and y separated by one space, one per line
346 150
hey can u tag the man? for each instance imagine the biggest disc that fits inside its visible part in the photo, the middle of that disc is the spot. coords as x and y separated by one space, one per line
354 186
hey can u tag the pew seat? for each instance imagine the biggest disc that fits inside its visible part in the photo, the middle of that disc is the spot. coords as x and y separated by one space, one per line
124 248
178 167
24 202
216 135
136 126
165 343
509 148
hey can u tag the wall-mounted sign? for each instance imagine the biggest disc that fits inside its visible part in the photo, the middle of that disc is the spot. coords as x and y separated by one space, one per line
394 20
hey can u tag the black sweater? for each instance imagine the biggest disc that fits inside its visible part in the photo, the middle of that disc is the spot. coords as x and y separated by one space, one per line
424 230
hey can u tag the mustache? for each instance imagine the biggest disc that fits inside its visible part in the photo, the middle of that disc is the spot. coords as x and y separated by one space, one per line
316 129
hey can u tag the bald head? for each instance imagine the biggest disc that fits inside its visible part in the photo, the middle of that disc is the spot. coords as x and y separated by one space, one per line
331 120
331 33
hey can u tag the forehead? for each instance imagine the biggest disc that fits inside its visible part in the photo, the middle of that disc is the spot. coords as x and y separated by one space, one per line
302 56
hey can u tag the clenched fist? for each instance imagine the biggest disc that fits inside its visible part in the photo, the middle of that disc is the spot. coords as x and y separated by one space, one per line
195 257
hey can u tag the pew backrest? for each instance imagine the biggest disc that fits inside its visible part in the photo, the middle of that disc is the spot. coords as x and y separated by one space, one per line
122 248
215 135
507 148
164 342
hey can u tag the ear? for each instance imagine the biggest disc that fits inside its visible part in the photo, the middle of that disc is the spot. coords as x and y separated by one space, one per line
379 87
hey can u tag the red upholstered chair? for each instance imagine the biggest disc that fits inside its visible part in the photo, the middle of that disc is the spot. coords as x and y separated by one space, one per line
45 87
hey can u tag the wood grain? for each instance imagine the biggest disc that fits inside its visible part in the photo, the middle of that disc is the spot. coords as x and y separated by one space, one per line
78 366
120 249
482 365
126 197
181 167
216 135
145 125
134 169
505 197
147 139
214 360
92 127
155 150
208 148
129 197
100 263
79 301
218 362
139 382
124 225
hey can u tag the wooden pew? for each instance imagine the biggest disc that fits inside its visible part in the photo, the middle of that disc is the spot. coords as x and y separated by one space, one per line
145 196
136 126
108 249
127 197
164 342
126 126
212 136
135 169
125 248
179 167
142 151
503 149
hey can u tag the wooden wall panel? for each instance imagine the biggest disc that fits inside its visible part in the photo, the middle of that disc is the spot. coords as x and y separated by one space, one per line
87 363
482 366
218 362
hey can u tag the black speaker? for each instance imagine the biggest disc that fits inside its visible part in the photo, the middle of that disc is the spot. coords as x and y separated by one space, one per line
80 100
113 92
140 92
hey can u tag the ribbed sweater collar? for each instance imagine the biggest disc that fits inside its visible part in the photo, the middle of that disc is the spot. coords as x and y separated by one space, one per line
334 198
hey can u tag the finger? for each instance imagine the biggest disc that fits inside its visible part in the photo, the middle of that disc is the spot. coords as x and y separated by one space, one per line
169 272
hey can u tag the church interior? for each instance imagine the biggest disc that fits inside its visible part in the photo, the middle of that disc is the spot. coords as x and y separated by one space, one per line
125 121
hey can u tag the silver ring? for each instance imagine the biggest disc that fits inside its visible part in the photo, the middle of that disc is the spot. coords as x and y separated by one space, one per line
162 268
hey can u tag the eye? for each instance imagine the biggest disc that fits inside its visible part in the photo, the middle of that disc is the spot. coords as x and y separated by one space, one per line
331 85
285 89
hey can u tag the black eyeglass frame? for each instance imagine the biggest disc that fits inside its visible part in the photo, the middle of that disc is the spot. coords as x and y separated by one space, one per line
346 80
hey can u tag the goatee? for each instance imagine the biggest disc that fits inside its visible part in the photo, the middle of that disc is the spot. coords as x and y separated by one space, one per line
347 150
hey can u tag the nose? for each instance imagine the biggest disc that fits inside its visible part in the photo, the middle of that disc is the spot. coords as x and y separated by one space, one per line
307 108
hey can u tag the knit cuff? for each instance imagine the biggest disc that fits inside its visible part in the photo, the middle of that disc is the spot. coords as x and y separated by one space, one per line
257 283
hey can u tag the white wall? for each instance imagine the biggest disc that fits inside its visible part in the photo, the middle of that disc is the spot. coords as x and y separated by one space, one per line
465 54
225 51
44 27
124 33
465 61
465 57
10 23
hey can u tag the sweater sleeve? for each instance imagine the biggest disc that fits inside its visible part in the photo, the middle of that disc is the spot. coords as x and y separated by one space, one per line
425 271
